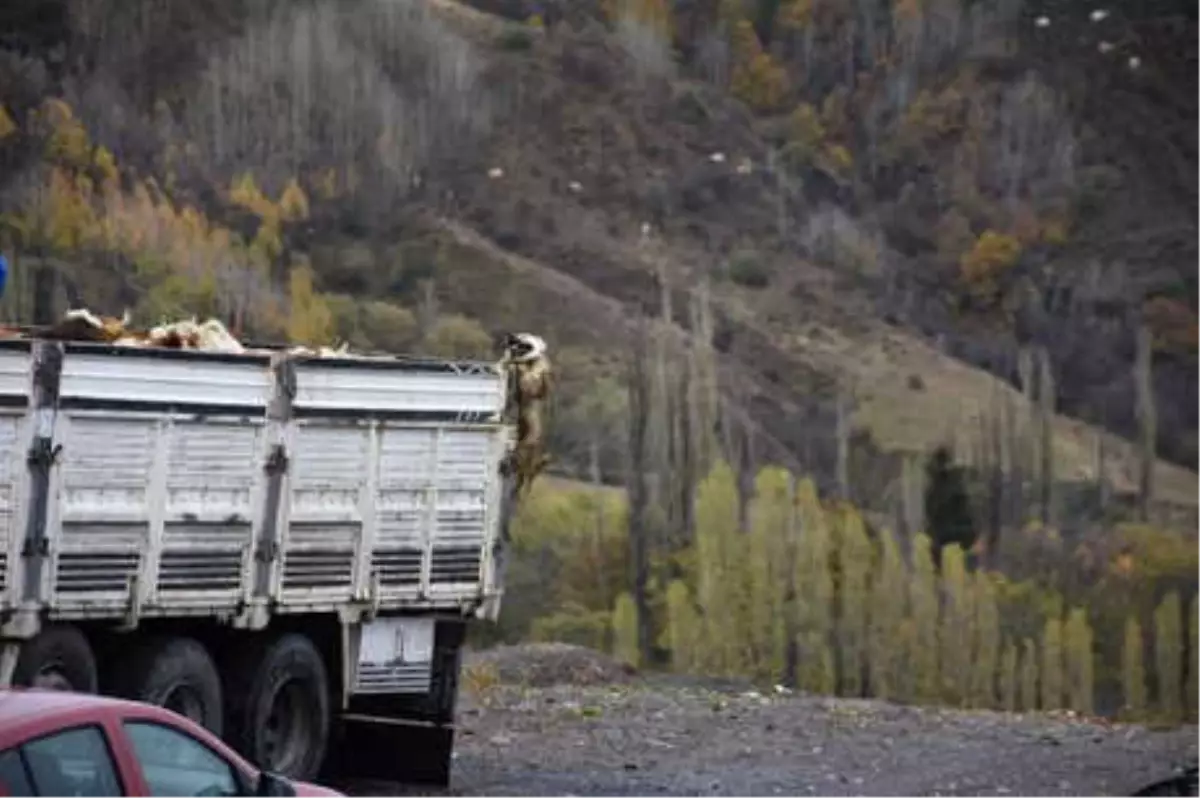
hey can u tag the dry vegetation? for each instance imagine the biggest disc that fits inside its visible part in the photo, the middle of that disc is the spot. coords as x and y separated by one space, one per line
833 237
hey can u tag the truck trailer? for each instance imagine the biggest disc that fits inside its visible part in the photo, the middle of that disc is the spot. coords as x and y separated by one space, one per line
284 548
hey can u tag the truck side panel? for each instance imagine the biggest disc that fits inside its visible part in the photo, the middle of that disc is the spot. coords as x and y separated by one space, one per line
161 477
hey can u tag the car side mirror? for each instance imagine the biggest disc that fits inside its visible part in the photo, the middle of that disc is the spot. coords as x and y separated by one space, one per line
273 784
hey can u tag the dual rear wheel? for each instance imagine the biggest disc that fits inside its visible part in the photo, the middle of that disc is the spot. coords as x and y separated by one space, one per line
272 706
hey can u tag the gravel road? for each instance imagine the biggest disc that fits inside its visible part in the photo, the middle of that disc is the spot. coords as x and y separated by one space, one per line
666 737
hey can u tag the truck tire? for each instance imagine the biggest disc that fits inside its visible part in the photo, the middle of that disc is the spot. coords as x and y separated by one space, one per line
57 658
278 708
176 673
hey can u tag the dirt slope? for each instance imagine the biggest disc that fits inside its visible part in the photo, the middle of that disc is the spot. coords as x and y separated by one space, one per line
676 736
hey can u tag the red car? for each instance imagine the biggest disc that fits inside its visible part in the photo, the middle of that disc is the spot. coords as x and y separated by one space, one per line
62 743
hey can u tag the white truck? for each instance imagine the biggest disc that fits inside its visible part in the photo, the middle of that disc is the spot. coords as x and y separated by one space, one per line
286 549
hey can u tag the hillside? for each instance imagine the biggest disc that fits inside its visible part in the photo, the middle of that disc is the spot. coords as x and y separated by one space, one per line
883 212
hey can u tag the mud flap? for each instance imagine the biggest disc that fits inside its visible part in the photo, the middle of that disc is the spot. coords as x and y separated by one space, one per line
386 749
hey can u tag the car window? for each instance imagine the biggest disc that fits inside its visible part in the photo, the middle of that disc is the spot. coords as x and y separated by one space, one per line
71 762
178 764
13 778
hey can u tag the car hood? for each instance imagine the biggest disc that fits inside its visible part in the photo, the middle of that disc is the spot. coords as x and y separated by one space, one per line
303 788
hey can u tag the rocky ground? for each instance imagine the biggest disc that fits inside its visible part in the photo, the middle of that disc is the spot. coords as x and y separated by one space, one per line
661 736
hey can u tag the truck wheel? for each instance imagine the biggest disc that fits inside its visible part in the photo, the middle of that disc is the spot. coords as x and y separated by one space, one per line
57 658
176 673
279 707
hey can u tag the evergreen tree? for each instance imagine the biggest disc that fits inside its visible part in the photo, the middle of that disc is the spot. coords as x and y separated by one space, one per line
947 506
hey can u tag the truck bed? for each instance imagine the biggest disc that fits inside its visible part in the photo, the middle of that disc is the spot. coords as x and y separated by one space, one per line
185 483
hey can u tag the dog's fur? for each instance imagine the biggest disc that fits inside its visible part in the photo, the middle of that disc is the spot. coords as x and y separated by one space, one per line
529 373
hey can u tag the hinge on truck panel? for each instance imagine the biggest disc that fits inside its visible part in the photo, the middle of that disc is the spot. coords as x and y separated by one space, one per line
267 551
36 547
43 453
277 460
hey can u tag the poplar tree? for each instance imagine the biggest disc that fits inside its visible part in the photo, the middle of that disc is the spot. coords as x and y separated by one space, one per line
814 593
1168 656
1052 664
986 648
1027 692
1133 671
1008 677
770 568
923 605
1079 662
1193 674
625 630
854 565
955 631
716 560
885 650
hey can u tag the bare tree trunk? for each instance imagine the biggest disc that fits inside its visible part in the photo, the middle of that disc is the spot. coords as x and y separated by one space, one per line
791 652
842 433
637 486
44 283
1147 415
427 310
1024 432
912 494
1099 457
1046 401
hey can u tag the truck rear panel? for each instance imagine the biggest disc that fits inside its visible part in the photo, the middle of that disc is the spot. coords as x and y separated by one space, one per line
191 483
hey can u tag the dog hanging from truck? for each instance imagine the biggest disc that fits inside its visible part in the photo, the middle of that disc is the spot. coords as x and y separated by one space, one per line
528 370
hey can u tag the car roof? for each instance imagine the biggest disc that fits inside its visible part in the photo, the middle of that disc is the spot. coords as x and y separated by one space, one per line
26 712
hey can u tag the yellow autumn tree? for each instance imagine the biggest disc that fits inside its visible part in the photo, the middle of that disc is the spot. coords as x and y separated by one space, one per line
654 14
1133 671
1052 664
955 633
885 652
1079 663
757 79
923 606
625 630
982 266
794 15
854 566
718 561
67 142
769 570
309 321
985 649
1193 674
8 127
683 629
814 593
1168 656
1028 677
1009 677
